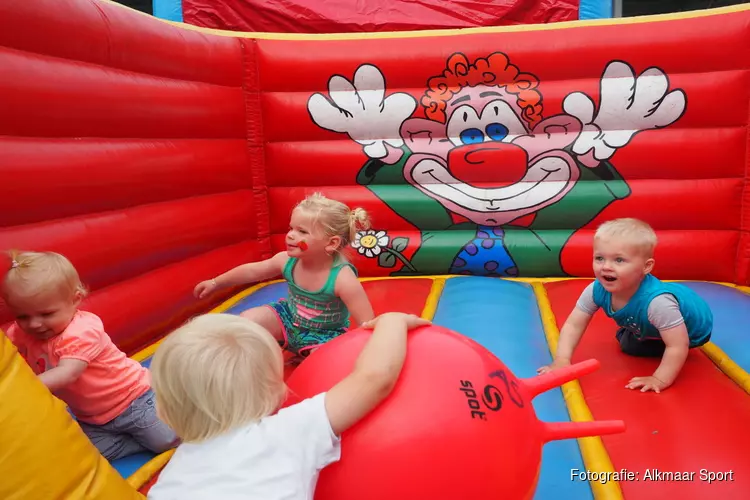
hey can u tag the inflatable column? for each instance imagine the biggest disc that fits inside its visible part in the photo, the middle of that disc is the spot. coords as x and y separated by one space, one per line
44 453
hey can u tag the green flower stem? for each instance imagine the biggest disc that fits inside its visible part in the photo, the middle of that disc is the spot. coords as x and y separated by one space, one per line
400 257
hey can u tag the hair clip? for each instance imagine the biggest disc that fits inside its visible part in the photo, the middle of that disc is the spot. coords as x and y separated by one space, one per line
14 264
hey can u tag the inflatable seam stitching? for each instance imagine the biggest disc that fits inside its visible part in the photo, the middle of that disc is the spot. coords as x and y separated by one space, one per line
255 142
742 262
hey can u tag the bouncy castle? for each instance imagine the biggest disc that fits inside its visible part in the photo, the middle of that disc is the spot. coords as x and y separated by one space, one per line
156 155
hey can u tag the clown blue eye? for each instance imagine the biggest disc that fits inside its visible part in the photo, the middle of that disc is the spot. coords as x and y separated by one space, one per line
471 136
497 131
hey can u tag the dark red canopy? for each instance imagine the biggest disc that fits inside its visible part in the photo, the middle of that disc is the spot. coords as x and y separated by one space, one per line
336 16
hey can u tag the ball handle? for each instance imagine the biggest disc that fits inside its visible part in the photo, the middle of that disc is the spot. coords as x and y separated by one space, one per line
556 378
553 431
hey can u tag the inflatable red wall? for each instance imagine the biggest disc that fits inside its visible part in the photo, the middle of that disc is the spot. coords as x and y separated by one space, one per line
156 156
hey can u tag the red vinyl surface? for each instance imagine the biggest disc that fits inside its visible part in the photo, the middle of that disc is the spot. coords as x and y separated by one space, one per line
123 145
182 231
155 145
155 157
80 180
108 34
311 16
693 170
677 154
698 423
137 105
407 296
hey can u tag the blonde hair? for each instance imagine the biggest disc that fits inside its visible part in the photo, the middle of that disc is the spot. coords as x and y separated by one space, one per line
335 218
215 373
635 231
32 273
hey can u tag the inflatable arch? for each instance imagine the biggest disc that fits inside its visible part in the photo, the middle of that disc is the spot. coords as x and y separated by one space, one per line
156 155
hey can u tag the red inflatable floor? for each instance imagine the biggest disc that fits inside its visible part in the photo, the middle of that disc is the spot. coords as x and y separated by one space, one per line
699 424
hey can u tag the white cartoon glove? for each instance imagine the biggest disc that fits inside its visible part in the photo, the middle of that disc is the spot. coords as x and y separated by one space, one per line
360 110
627 105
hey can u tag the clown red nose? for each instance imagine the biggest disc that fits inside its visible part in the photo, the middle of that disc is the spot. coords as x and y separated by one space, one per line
497 163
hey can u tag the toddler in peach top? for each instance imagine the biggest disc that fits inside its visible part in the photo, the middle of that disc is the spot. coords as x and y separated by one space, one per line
109 393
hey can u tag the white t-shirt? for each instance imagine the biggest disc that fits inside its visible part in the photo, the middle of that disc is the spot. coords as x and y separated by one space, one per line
278 458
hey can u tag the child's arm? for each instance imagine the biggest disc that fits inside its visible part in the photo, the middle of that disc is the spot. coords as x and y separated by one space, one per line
573 329
350 290
570 335
78 346
664 313
246 273
675 354
66 372
375 372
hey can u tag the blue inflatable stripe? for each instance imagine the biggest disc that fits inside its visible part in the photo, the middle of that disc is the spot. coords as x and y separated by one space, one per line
170 10
731 310
595 9
265 295
504 317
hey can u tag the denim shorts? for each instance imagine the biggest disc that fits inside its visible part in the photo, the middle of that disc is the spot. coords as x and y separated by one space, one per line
135 430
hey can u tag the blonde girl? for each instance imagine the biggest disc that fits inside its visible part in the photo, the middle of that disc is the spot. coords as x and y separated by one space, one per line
109 393
324 291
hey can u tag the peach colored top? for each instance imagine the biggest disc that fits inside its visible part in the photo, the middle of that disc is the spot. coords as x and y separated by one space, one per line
110 382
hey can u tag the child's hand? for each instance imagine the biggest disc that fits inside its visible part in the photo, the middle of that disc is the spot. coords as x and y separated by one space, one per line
204 288
647 384
411 320
557 363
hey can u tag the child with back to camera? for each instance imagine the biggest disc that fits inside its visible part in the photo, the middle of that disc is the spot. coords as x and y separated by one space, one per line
655 319
323 285
109 393
219 382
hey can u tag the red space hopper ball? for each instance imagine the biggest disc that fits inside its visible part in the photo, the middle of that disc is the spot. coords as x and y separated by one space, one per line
458 425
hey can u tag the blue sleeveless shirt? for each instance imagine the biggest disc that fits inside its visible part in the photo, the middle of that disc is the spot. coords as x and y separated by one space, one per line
634 316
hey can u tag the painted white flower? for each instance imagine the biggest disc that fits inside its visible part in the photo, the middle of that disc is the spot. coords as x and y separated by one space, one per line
370 243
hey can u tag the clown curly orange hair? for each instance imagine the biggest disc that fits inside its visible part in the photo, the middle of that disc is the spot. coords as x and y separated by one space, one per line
494 70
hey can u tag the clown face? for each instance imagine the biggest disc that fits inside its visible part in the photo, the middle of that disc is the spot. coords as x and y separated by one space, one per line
484 163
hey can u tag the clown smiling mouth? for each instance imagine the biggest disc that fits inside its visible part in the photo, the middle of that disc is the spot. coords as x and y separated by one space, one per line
493 200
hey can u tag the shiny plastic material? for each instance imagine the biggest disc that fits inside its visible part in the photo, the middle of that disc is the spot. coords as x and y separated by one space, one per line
458 423
45 454
340 16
